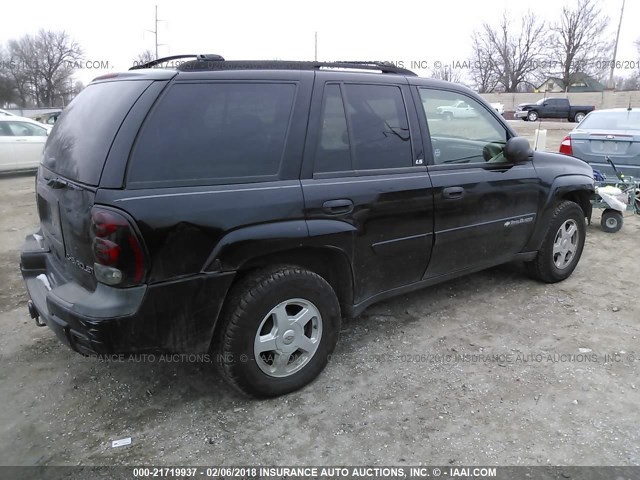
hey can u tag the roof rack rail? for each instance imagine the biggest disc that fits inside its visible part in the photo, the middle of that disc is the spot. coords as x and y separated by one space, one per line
384 67
208 57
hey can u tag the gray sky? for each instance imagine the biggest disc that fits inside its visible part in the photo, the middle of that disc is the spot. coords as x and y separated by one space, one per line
114 31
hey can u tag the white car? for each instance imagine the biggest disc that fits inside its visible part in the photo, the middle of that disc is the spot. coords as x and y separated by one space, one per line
4 113
499 107
21 142
459 109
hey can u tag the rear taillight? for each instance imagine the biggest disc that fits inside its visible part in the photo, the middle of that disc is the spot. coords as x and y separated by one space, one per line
565 146
117 250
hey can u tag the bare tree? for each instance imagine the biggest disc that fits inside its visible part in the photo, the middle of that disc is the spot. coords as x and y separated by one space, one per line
7 85
579 43
44 66
144 57
513 52
447 73
483 68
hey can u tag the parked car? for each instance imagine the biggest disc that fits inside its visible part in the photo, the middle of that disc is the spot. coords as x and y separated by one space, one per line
4 113
552 108
459 109
613 133
21 143
499 107
242 209
48 118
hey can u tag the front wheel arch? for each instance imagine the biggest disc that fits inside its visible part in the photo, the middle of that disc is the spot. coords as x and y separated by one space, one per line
545 265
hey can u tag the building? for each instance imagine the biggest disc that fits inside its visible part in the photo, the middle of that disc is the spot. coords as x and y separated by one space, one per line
581 83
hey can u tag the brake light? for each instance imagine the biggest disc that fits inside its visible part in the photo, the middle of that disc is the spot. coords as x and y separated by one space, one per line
565 146
117 249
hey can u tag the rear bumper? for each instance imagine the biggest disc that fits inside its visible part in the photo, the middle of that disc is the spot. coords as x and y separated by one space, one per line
177 316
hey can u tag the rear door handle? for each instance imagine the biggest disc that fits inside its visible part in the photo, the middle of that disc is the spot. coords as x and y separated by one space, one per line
337 207
453 193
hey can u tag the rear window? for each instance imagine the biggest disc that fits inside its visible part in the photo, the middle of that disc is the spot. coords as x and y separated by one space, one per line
213 133
80 140
611 121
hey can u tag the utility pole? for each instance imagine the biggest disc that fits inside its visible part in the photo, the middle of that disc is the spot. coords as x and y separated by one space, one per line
155 31
315 55
615 47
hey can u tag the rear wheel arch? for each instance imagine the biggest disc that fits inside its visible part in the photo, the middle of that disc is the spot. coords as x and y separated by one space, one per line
330 263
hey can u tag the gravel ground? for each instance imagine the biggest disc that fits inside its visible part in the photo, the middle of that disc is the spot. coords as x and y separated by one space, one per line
493 368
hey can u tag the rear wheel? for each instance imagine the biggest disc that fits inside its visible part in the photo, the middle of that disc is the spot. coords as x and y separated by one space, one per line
611 220
279 327
562 245
579 117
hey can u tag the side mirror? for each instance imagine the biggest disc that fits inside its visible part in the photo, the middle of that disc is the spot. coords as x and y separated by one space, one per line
517 150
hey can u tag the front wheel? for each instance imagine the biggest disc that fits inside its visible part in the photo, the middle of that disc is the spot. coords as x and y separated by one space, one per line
562 246
280 325
611 220
532 116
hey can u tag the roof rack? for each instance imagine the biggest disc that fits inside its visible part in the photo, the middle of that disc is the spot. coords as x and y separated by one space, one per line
210 57
201 64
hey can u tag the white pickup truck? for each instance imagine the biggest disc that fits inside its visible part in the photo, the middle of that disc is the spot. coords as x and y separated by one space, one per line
459 109
462 109
499 107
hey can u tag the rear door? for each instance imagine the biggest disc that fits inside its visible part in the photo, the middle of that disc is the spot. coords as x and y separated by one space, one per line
558 108
70 173
485 207
365 171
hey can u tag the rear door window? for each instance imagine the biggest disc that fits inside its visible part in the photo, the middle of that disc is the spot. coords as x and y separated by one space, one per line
208 133
81 138
379 127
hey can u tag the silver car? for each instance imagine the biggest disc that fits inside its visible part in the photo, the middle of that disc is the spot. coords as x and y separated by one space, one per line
613 133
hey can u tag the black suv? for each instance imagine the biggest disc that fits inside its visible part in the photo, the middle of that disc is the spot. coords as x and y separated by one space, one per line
240 210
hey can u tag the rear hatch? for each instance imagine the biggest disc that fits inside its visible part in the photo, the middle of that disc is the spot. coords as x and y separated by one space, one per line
69 175
621 146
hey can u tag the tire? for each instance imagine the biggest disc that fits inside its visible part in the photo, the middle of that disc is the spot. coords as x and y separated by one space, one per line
250 326
525 119
448 116
611 221
579 117
532 116
555 261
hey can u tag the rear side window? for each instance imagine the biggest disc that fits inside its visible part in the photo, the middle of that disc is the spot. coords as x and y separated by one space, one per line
213 133
81 138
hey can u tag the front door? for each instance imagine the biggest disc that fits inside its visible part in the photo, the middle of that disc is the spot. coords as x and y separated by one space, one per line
485 207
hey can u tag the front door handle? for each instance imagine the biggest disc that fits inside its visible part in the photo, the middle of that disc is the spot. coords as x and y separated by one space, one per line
337 207
453 193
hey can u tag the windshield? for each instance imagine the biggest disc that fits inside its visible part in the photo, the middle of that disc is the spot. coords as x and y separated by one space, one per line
82 136
623 120
540 102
